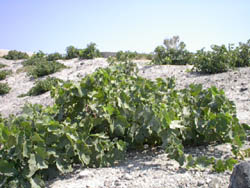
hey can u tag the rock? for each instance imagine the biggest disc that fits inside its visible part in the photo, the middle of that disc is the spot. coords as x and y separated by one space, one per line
200 183
214 183
243 89
240 177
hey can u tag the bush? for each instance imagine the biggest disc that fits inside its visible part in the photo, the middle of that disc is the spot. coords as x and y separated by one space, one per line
72 52
4 73
43 68
2 65
96 121
15 55
219 60
174 53
87 53
128 55
42 86
4 89
243 54
125 56
33 61
39 54
55 56
90 52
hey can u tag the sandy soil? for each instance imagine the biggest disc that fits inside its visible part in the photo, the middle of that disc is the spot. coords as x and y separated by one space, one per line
151 168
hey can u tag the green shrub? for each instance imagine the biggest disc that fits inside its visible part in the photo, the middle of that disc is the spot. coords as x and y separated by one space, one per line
125 56
243 54
43 68
72 52
128 55
96 121
15 55
4 89
90 52
219 60
174 53
2 65
42 86
39 54
4 73
55 56
34 61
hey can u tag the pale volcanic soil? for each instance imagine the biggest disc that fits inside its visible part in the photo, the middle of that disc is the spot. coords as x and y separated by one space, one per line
150 168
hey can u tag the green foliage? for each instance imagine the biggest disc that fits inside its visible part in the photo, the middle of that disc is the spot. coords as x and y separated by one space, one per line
55 56
15 55
125 56
94 122
4 74
4 88
39 54
90 52
220 59
42 86
36 147
128 55
72 52
243 54
43 68
2 65
174 53
39 66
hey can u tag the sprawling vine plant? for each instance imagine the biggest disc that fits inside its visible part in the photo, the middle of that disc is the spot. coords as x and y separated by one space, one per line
94 122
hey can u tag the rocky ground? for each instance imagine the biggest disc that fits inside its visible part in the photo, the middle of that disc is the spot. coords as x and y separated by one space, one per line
150 168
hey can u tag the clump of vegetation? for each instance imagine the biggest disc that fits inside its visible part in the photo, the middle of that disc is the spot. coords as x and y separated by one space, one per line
4 89
173 53
89 52
15 55
39 54
219 60
33 61
39 66
128 55
125 56
2 65
72 52
43 68
94 122
4 74
54 56
242 53
42 86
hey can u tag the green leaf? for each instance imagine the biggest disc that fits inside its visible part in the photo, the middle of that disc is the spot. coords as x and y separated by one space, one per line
63 166
37 138
37 182
36 163
7 168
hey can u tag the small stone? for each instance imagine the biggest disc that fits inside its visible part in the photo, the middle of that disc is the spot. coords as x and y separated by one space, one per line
127 177
215 183
83 174
243 89
117 183
200 183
